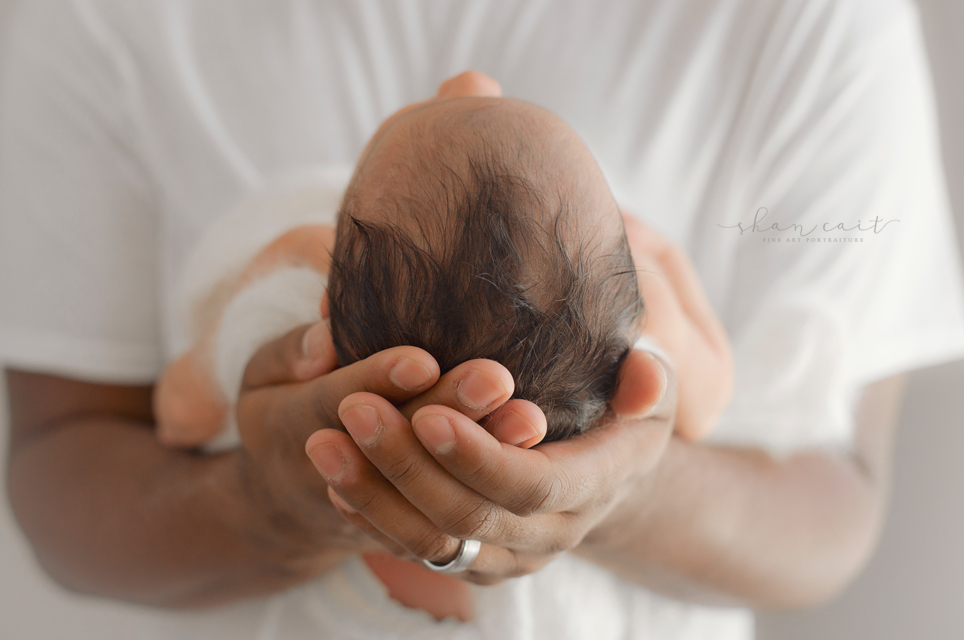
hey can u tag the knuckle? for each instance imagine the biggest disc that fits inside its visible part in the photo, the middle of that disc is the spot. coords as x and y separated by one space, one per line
477 523
361 500
485 472
431 545
403 471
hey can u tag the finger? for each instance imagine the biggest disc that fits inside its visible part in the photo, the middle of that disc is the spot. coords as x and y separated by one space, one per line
360 485
519 423
359 521
396 374
649 248
363 494
645 387
385 437
495 564
475 388
682 275
686 282
553 477
301 354
492 565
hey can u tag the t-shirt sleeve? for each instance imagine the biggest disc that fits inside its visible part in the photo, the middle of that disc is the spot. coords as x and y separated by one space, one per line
843 130
78 279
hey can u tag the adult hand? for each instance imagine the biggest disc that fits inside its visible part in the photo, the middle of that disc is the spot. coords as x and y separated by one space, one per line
420 487
281 402
292 389
680 319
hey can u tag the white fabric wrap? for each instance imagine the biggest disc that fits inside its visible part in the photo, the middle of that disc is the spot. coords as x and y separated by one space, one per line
267 309
310 196
273 304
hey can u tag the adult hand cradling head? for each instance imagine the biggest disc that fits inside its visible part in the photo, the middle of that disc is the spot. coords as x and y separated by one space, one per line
422 476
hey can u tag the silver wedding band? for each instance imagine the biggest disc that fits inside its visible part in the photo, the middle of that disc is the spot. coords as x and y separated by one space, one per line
468 552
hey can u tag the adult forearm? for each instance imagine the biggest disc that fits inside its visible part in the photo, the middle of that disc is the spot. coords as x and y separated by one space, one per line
731 526
112 513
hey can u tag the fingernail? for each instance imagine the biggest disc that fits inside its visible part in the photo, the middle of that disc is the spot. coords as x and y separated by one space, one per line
478 390
362 423
409 375
527 433
317 351
329 462
313 343
435 432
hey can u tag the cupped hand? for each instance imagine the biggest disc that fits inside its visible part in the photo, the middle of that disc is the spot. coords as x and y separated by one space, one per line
421 485
292 389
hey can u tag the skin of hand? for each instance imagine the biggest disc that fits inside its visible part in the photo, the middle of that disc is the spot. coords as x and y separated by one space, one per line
189 408
713 525
414 506
419 487
276 414
107 509
692 521
679 319
401 477
612 495
705 524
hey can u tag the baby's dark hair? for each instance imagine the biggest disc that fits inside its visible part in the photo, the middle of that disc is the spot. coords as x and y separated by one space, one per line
473 270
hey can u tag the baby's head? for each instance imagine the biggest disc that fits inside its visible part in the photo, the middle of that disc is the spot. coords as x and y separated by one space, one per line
483 228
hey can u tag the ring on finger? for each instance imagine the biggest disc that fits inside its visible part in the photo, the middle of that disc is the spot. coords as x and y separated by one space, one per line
468 551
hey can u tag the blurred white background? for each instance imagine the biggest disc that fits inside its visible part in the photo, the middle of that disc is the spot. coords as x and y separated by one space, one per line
912 588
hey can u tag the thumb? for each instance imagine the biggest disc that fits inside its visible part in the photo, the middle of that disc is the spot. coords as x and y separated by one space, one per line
301 354
646 387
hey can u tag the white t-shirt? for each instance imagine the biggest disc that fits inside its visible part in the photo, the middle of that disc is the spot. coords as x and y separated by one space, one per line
129 128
